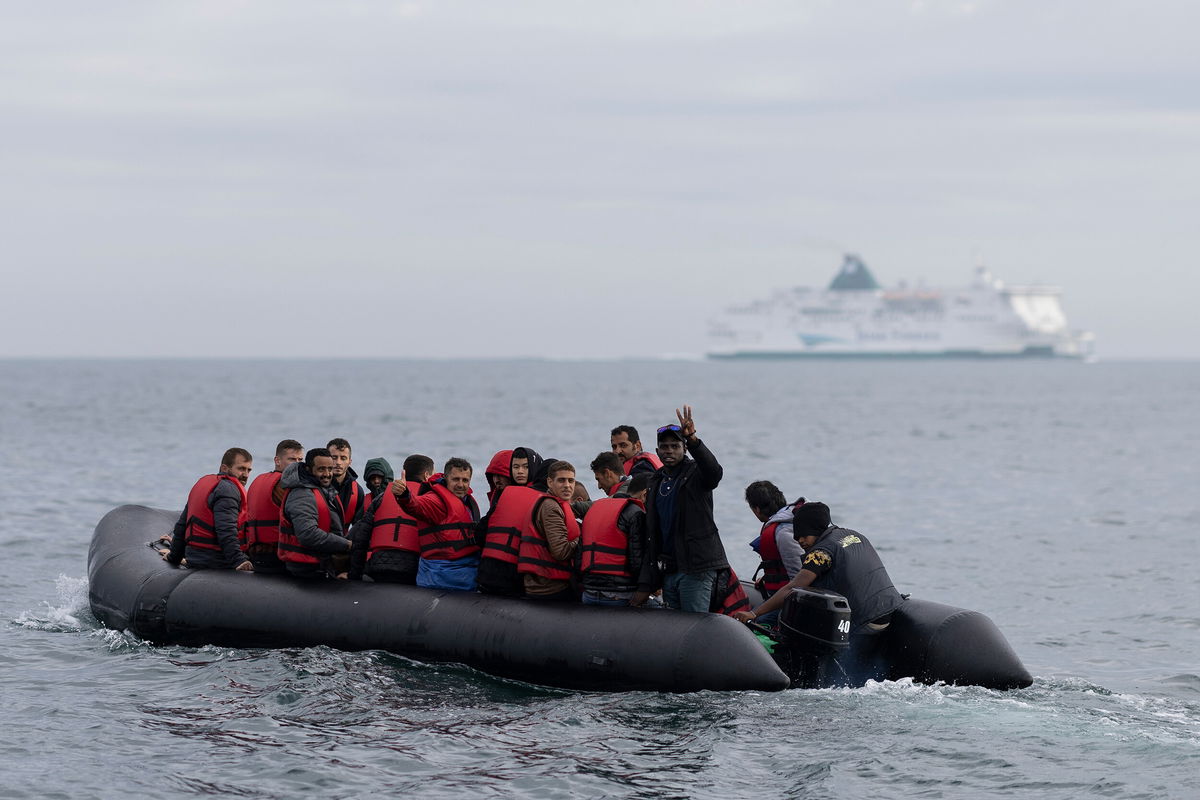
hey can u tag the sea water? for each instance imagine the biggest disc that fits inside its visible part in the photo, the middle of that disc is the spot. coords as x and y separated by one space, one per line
1060 499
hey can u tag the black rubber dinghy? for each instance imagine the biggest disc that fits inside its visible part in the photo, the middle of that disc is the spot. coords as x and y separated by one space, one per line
575 647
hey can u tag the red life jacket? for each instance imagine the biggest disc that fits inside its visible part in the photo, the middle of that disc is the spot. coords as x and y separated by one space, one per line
454 537
535 558
352 504
642 456
289 547
729 598
262 512
392 529
604 546
201 530
774 574
509 522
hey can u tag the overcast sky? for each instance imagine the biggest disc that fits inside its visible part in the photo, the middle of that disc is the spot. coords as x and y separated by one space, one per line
579 179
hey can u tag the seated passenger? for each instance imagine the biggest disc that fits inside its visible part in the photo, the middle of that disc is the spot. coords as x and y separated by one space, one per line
447 514
345 482
842 561
547 546
613 546
386 546
526 463
208 529
261 535
310 523
609 472
498 473
378 476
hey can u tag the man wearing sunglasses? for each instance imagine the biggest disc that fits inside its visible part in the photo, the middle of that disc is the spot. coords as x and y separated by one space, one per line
682 535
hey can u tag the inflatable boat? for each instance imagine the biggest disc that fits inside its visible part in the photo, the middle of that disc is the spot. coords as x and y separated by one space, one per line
576 647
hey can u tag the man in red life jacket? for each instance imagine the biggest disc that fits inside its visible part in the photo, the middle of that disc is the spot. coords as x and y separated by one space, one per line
261 534
207 531
386 545
782 556
628 445
345 482
547 547
610 473
447 514
613 546
310 521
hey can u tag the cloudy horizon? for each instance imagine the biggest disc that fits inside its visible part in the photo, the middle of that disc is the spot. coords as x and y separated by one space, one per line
465 179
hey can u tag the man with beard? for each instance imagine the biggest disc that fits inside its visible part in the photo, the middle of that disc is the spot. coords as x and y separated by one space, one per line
310 525
207 533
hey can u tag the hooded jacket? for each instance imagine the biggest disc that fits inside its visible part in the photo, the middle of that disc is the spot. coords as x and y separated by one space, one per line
378 466
694 534
300 508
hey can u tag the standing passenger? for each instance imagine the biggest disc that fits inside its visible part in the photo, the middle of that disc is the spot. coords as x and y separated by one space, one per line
345 482
208 530
628 446
262 501
447 514
679 517
310 525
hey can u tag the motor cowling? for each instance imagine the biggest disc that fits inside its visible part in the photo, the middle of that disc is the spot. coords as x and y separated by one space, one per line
815 621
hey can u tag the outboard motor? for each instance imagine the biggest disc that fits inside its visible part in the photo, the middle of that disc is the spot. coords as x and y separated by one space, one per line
814 629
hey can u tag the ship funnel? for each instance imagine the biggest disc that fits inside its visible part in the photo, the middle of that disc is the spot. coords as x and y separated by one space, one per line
853 275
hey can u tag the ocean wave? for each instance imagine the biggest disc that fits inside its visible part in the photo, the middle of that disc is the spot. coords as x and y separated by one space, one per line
72 613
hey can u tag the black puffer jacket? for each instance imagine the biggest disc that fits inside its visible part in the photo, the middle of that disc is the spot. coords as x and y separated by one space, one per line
697 542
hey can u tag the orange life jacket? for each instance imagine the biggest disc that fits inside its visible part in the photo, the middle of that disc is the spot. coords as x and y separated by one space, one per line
454 537
392 529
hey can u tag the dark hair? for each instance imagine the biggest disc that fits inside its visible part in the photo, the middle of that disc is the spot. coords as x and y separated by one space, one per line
765 496
557 467
311 456
809 519
339 443
457 463
638 482
417 464
628 430
608 460
233 453
287 444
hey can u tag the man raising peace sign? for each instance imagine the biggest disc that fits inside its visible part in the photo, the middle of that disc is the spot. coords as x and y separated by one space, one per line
679 519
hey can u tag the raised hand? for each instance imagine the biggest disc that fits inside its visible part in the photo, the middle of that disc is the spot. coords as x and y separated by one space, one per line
687 426
400 485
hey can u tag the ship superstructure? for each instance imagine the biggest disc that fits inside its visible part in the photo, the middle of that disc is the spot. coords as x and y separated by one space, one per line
856 317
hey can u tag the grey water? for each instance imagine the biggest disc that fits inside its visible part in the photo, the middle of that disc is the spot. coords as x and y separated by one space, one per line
1058 498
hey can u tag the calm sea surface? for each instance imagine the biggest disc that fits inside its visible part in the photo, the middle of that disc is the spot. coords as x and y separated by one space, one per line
1060 499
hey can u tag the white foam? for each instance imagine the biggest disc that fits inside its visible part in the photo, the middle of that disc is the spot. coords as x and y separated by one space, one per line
72 613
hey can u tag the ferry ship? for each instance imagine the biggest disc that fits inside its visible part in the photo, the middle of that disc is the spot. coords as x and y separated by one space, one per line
857 318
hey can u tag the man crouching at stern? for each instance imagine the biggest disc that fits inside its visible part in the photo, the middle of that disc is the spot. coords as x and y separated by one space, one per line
310 525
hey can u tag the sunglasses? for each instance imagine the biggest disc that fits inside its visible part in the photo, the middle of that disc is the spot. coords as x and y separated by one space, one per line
666 428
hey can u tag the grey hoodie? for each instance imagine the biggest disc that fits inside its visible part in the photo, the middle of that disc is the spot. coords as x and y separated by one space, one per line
790 550
301 508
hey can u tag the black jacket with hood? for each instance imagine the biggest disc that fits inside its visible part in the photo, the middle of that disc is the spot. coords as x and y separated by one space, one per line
697 542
